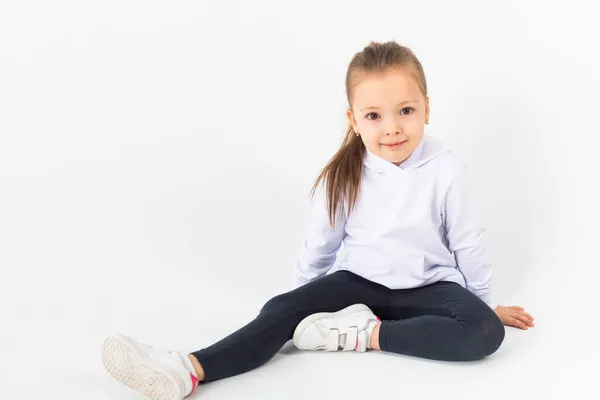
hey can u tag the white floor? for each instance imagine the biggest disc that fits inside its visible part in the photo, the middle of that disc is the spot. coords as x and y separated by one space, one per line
53 350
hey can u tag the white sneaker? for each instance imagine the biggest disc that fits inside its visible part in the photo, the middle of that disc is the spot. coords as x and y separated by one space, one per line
348 329
157 374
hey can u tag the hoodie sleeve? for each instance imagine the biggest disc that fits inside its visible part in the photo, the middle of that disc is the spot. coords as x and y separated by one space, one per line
466 238
319 249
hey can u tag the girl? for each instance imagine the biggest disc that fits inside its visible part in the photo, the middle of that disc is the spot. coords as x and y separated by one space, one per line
415 279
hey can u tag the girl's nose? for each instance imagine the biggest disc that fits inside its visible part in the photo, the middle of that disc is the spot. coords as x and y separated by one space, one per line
395 130
393 127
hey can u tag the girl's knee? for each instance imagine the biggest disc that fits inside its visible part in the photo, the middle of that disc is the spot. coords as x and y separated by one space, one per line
486 337
278 304
492 333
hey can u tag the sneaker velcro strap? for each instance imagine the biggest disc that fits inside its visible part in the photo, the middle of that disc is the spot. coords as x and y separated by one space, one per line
333 340
351 337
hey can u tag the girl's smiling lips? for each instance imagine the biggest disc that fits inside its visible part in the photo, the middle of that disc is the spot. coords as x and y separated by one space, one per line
393 145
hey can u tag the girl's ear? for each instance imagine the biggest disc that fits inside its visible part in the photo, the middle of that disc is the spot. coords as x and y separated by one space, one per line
427 109
351 119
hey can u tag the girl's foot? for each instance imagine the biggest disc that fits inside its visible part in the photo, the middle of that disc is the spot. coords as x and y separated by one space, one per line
348 329
158 374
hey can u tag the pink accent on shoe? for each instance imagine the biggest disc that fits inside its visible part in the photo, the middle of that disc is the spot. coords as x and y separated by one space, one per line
356 347
195 383
378 319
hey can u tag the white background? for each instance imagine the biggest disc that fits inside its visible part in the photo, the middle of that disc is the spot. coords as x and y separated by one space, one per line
156 159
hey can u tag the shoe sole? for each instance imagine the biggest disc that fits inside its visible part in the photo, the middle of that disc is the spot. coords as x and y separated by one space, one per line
128 364
353 309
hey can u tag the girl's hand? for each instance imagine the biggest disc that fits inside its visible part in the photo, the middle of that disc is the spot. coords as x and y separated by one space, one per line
514 316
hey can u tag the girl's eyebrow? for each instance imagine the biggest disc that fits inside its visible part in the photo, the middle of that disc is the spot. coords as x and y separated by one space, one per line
399 104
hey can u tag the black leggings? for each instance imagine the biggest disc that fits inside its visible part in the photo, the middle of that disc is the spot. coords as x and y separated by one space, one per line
441 321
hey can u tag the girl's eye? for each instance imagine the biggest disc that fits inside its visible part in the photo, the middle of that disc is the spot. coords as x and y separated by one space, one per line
404 111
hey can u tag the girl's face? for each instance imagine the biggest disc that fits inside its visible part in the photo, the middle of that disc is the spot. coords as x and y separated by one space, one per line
389 111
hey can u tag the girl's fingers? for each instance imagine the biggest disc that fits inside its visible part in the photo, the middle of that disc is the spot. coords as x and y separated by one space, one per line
519 312
516 308
515 322
522 317
528 315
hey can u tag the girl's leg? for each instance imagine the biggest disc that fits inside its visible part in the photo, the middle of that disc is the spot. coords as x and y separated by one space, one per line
162 374
257 342
442 321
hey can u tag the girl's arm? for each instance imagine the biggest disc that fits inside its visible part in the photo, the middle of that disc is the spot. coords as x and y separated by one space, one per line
465 235
322 242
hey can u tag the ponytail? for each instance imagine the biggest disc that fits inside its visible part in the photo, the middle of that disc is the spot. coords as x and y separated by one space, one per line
341 176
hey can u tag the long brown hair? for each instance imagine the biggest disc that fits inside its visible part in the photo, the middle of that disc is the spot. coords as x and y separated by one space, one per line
342 173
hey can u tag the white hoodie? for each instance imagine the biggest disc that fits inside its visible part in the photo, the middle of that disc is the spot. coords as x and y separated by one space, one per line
412 225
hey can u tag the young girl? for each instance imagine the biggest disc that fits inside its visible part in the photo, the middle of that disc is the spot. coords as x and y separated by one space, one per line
415 279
